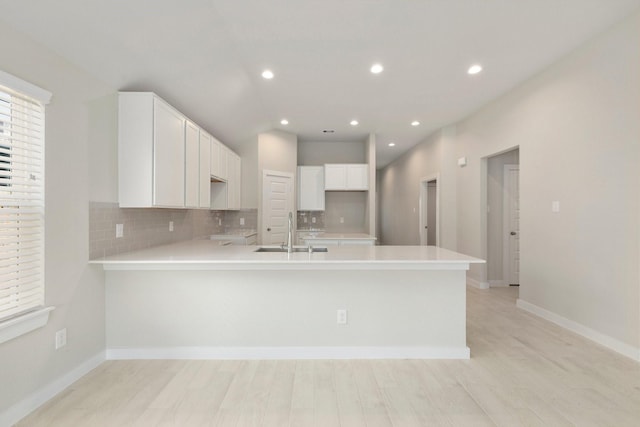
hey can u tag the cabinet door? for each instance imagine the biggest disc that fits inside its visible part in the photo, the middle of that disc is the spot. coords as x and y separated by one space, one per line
311 188
238 181
224 162
215 157
335 177
192 165
231 181
168 156
205 170
357 177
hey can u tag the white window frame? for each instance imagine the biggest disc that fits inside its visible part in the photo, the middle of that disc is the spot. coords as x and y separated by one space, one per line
24 322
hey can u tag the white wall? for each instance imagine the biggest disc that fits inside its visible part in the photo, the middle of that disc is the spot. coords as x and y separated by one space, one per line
277 151
577 127
80 166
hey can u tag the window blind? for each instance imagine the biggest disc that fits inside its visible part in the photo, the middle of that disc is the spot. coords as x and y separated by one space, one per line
21 203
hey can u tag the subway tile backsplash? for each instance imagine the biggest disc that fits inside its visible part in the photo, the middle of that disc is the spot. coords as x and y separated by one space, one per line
144 228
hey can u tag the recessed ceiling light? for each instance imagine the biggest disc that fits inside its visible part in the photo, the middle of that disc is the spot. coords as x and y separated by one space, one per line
415 123
284 122
377 68
392 144
267 74
354 123
474 69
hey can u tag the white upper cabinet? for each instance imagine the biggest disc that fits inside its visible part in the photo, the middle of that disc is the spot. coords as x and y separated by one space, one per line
168 161
227 173
215 157
346 177
192 166
164 159
205 171
233 180
310 188
224 163
151 152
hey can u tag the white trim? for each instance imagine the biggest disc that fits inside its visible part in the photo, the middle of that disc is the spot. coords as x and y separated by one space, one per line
29 89
16 412
600 338
476 283
499 283
20 325
287 353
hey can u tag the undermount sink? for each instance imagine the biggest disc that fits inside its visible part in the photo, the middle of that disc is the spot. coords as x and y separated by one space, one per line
295 249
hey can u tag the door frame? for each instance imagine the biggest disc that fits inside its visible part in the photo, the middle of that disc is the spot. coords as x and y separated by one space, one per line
292 204
506 241
422 206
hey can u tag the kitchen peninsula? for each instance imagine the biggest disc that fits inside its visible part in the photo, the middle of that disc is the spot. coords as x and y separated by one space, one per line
197 299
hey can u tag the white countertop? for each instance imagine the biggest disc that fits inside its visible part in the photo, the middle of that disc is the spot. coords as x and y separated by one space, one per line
339 236
208 255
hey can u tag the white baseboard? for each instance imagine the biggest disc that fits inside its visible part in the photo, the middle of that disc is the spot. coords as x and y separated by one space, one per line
288 353
498 284
32 402
476 283
600 338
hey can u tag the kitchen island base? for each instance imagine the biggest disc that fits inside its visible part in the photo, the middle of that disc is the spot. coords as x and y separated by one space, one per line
286 314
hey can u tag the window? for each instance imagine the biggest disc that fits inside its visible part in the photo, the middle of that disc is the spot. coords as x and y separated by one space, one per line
21 198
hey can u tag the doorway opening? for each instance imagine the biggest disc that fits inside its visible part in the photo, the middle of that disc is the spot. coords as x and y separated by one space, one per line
430 211
503 218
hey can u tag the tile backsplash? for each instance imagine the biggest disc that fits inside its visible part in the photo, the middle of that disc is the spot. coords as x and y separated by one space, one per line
144 228
305 220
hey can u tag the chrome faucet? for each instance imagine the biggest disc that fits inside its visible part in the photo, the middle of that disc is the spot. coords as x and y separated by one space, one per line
290 234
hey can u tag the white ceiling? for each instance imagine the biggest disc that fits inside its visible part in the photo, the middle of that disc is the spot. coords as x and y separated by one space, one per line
205 57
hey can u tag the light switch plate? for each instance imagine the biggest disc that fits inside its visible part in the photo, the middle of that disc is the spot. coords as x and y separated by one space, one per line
241 221
555 206
119 230
170 225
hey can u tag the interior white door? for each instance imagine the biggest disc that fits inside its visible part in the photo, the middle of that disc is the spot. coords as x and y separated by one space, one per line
511 217
429 221
277 202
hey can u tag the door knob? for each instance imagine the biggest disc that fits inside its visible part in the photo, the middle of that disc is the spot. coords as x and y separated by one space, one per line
268 229
513 233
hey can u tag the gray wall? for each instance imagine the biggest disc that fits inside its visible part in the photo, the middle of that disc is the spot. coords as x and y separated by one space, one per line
577 127
352 206
80 165
319 153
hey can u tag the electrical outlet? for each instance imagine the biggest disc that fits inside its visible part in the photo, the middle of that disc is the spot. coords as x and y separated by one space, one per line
61 338
170 225
555 206
304 219
241 221
341 220
313 219
219 221
119 230
342 317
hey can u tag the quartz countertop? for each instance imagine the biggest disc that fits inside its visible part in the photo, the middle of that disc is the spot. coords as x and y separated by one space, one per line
209 255
340 236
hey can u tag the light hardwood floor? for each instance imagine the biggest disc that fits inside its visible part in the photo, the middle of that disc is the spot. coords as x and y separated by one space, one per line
523 371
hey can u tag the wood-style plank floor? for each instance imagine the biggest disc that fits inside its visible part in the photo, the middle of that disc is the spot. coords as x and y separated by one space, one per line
523 371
